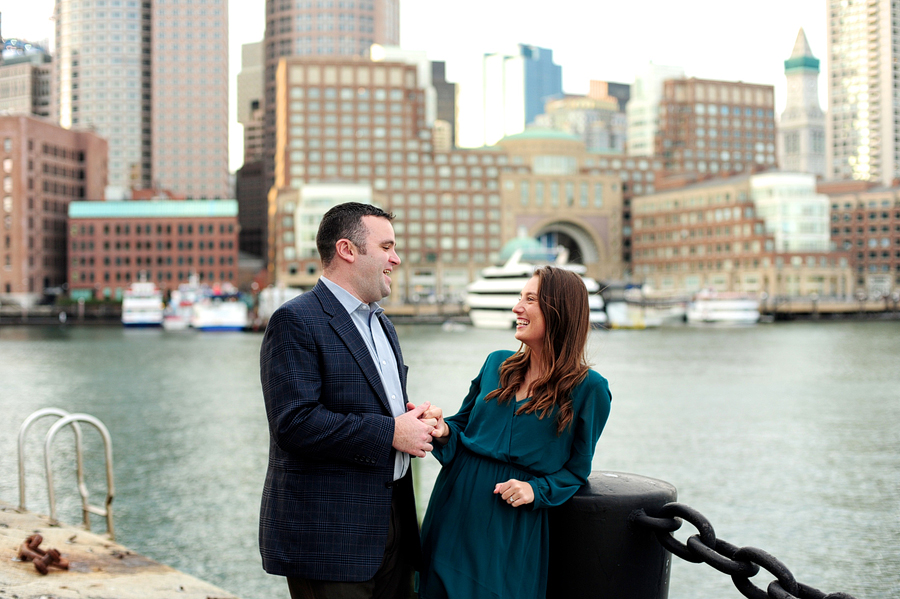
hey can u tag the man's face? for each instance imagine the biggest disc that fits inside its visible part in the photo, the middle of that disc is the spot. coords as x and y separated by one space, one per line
373 269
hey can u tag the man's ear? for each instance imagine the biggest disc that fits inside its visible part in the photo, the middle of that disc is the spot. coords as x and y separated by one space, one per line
345 250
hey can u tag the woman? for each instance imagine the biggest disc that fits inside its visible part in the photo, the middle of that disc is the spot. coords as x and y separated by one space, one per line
522 441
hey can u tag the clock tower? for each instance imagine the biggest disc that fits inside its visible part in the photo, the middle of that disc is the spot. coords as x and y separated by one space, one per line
801 134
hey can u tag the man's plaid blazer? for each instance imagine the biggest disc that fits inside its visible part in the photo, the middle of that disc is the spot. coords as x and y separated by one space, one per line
325 505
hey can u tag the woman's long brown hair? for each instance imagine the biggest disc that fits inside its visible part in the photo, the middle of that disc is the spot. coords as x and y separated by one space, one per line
563 301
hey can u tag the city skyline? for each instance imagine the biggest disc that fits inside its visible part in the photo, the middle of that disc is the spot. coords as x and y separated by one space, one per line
708 39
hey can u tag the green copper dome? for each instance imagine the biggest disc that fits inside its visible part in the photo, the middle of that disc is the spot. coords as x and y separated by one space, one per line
532 250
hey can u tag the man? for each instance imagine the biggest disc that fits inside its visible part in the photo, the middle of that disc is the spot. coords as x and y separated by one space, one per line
338 515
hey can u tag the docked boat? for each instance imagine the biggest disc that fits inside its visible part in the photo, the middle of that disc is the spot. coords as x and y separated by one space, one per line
491 298
720 307
180 309
633 306
626 315
270 299
142 305
220 308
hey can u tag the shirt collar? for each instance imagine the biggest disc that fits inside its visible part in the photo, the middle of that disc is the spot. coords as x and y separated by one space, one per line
350 302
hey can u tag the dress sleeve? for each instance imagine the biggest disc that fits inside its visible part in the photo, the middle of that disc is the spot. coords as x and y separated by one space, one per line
457 423
587 424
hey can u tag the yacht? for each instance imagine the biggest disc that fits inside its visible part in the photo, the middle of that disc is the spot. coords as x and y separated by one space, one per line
142 305
491 298
220 308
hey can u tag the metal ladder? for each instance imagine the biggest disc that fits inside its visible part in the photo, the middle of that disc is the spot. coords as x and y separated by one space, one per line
73 420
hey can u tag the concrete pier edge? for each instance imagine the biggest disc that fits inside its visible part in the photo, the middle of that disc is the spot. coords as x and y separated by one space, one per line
99 568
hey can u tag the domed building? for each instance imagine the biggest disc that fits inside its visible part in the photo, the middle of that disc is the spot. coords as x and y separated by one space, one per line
552 191
531 249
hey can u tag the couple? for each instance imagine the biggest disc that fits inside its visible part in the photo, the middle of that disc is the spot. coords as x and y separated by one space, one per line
338 515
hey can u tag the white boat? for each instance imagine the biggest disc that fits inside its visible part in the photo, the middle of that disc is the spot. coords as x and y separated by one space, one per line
220 309
632 306
270 299
718 307
180 309
625 315
142 305
491 298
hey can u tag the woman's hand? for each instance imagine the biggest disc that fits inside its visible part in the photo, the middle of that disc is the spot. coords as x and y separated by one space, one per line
435 416
515 492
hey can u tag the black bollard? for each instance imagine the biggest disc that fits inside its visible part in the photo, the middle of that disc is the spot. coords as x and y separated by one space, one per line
595 553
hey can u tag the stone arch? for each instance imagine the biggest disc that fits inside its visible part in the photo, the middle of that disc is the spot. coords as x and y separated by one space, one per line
581 242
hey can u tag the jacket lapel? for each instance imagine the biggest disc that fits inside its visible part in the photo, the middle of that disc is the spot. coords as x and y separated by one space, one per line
346 330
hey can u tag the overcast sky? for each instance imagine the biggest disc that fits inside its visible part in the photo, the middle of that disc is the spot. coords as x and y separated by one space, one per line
612 41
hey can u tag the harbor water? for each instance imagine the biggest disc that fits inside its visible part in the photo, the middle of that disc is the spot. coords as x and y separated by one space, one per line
786 436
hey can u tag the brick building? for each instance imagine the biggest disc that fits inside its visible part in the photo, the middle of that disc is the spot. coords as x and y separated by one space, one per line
112 244
45 168
865 222
638 175
351 121
708 126
711 235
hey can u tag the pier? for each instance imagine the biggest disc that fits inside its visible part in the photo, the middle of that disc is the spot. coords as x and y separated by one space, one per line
811 306
98 568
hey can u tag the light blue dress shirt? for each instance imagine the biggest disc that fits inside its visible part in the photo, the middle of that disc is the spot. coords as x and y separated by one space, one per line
365 317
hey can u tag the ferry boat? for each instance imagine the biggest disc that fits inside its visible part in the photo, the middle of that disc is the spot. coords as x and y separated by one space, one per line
142 305
220 309
723 307
491 298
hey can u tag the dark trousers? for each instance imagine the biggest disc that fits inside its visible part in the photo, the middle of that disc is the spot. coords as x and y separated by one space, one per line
393 580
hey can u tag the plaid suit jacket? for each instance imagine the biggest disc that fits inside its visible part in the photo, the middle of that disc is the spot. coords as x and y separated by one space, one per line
325 507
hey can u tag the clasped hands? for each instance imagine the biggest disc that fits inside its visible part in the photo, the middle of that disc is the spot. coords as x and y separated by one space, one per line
415 430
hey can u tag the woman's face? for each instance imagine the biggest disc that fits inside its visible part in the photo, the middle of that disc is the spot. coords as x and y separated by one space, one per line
530 327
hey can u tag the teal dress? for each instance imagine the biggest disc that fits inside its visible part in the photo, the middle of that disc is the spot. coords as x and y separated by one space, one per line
475 545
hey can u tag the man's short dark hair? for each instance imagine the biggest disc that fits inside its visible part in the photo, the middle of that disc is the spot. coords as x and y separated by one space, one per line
344 221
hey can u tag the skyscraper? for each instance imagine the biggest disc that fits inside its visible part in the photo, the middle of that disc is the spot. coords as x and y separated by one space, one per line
863 126
250 183
320 28
154 82
189 56
801 133
105 84
515 89
250 90
643 107
447 106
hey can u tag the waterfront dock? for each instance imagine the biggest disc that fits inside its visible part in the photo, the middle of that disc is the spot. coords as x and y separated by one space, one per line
98 568
811 307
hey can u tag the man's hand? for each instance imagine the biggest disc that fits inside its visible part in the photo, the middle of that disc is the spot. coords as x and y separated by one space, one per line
412 435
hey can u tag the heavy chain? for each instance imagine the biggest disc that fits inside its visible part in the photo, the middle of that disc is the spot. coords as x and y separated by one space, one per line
741 563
